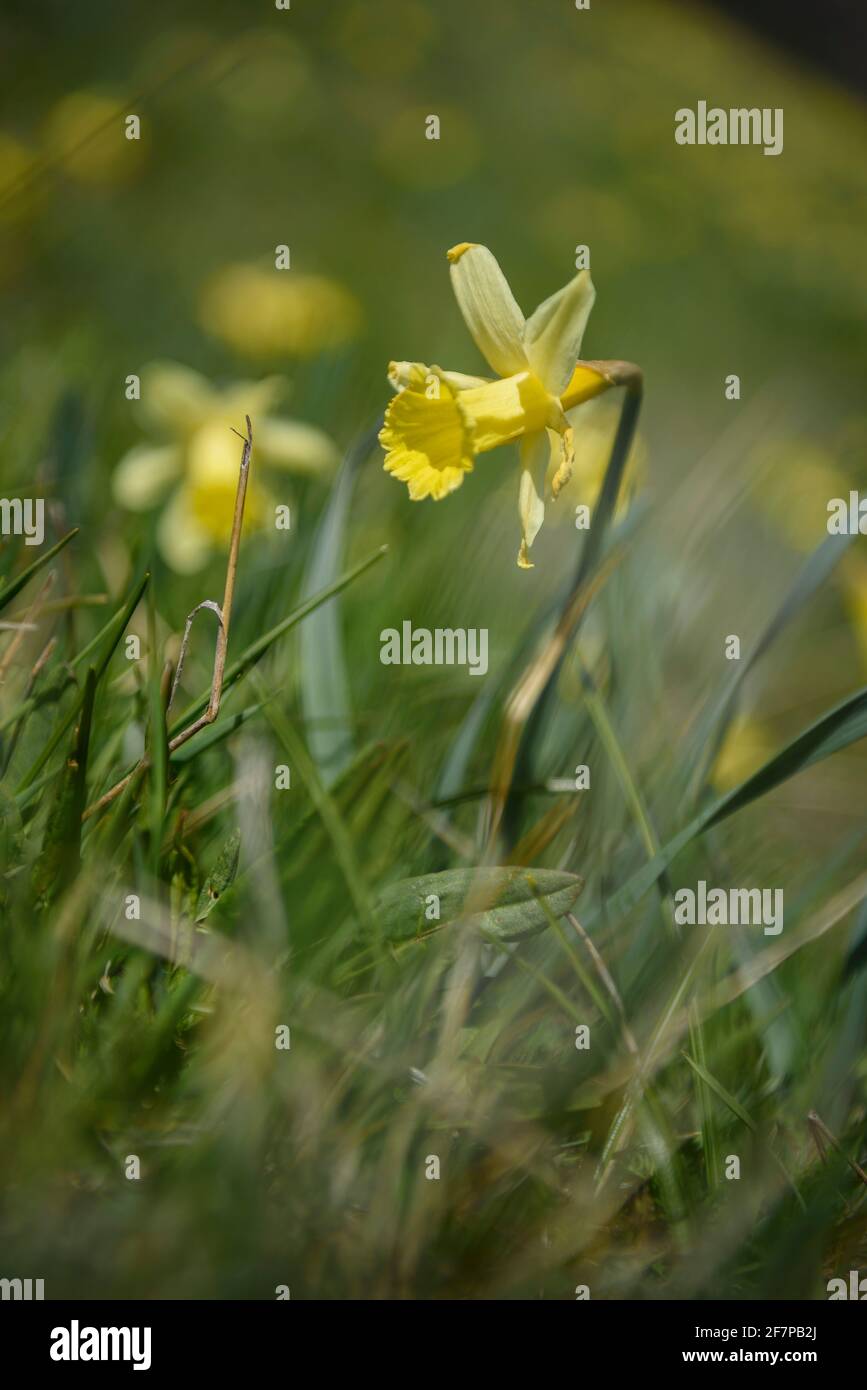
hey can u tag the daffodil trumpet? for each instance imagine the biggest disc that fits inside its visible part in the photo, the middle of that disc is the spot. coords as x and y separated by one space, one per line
439 421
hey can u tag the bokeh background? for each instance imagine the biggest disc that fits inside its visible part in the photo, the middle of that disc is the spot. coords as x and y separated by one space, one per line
306 128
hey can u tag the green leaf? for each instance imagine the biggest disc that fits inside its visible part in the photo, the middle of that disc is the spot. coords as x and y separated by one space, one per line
844 724
714 721
719 1089
157 740
328 812
8 592
221 877
254 653
114 632
501 902
323 681
61 845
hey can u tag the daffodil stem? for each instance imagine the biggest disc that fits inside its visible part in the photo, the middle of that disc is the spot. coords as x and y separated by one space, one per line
631 378
624 374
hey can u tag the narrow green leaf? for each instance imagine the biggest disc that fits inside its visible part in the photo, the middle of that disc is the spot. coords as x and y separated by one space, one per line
714 721
329 814
719 1089
501 902
8 592
249 657
841 726
221 877
114 632
157 740
61 845
323 680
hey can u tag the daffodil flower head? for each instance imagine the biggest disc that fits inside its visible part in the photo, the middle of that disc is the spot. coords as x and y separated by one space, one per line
196 456
439 421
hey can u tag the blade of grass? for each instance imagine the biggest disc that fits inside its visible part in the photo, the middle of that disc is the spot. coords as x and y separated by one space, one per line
841 726
8 592
742 1114
323 680
256 650
329 814
157 741
115 632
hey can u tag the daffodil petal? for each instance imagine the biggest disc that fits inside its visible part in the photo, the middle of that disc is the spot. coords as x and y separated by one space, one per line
143 475
176 398
403 374
295 446
184 544
553 333
426 439
253 398
535 457
489 309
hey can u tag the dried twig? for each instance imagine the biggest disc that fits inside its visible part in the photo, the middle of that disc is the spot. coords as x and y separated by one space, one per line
820 1132
224 613
607 980
26 624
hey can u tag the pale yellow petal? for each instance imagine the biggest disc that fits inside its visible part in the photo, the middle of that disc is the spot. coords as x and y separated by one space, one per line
185 545
176 398
144 474
535 457
489 308
295 446
253 398
553 333
403 374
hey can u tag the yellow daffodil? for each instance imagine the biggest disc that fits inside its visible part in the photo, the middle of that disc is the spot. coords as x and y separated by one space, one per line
200 457
439 421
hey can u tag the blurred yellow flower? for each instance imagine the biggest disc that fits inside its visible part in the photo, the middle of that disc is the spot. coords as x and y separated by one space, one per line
267 313
797 479
84 134
200 456
439 421
747 745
